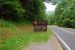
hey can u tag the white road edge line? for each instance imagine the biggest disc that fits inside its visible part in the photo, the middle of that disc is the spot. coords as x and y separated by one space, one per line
65 30
62 41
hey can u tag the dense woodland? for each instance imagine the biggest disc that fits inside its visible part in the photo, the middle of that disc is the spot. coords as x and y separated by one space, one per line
21 10
30 10
64 14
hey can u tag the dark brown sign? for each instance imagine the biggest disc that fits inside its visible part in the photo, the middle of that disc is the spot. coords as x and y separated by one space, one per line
40 25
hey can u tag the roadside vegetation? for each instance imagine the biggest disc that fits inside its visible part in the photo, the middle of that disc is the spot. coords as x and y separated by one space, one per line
16 36
16 29
64 14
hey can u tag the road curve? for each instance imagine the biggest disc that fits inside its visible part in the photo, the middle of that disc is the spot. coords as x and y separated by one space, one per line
65 36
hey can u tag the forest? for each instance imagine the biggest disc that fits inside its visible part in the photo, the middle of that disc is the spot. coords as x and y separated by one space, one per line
17 16
21 10
31 10
64 14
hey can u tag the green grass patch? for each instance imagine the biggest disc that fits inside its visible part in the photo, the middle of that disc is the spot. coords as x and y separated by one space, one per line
41 36
14 37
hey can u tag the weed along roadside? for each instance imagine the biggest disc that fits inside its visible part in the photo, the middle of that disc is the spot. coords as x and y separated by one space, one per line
20 36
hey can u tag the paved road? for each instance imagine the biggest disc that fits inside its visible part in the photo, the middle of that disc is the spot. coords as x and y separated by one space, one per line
65 36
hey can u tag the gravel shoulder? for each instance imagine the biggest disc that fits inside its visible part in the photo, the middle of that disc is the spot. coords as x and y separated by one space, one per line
52 44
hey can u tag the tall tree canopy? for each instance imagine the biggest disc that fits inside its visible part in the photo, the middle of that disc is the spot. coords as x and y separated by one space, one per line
53 1
35 9
22 9
11 9
65 13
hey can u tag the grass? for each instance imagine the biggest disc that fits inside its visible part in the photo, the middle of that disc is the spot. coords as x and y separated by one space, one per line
16 36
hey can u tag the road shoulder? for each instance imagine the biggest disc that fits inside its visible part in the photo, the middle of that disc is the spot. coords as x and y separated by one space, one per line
52 44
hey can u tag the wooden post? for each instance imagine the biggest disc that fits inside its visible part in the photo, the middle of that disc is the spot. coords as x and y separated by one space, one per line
40 25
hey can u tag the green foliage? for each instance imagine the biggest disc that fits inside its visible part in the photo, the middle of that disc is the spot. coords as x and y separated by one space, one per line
65 13
55 1
22 10
35 9
50 17
11 10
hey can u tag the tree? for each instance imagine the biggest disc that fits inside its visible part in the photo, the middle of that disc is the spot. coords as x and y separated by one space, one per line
65 13
35 9
53 1
22 9
11 10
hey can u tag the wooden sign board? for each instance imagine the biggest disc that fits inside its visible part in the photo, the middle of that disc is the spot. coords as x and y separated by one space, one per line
40 25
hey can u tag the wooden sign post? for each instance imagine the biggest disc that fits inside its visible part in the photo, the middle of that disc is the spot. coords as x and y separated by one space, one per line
40 25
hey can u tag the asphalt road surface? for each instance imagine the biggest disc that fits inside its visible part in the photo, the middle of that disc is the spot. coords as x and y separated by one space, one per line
65 36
